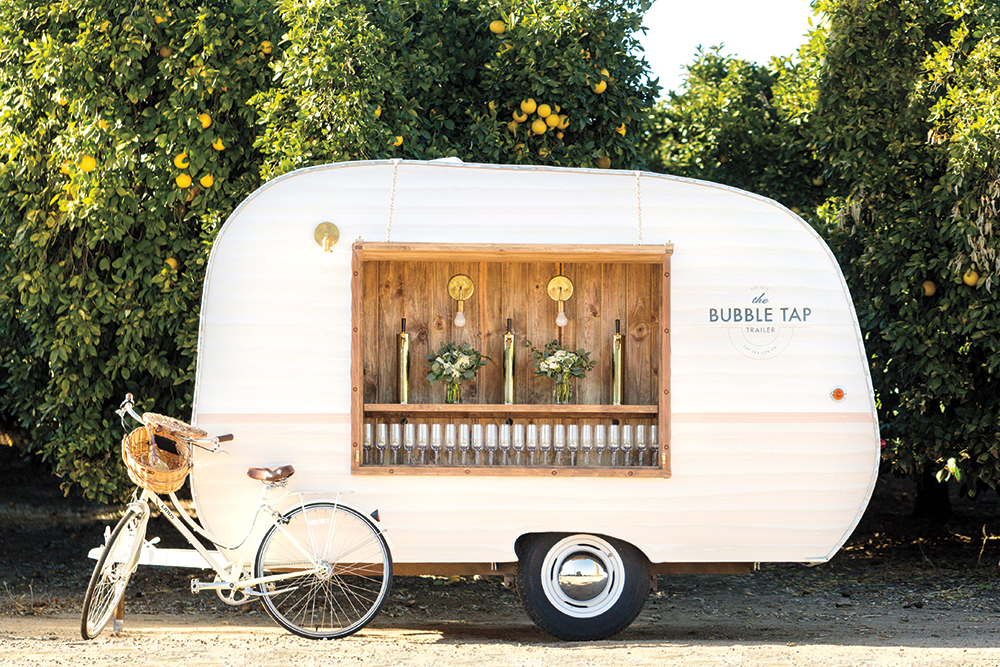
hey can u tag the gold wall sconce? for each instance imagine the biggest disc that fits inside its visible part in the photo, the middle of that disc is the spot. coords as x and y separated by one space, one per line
327 235
560 288
460 288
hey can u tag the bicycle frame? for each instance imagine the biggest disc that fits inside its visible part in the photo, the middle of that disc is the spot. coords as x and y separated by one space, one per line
231 573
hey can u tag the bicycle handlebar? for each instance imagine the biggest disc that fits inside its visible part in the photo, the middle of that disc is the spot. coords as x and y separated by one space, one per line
127 407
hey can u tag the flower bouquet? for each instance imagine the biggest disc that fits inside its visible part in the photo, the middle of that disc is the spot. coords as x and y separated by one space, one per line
454 364
560 365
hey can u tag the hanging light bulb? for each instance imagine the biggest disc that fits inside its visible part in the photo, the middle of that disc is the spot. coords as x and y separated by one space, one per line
460 288
560 288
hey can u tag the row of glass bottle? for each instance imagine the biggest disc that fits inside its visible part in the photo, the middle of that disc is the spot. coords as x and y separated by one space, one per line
544 444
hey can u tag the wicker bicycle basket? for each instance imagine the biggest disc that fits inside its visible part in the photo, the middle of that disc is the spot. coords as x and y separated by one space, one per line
136 450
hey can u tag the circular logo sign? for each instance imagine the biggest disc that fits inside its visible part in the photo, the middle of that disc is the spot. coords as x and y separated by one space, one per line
759 327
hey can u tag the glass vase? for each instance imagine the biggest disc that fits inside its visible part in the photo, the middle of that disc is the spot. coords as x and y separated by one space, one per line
562 392
452 392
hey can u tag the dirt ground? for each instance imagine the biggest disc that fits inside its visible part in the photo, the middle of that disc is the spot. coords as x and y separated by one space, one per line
902 592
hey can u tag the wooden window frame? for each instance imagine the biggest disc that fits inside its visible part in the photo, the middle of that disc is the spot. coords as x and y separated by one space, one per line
578 254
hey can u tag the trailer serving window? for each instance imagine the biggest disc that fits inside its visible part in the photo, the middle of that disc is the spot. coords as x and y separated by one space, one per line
400 422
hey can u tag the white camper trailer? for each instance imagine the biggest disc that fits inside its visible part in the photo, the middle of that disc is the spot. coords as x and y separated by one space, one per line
729 418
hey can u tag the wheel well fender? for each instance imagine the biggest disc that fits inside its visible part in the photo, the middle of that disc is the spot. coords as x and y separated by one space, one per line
525 540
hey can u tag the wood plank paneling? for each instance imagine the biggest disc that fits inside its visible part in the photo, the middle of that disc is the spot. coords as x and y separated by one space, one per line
368 302
602 293
493 322
614 294
418 311
590 327
640 354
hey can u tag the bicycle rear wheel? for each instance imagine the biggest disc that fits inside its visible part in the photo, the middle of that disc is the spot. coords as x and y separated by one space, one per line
353 578
114 567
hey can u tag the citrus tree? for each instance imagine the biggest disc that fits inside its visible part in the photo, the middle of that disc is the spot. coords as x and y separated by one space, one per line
907 121
556 82
885 132
741 124
125 139
128 131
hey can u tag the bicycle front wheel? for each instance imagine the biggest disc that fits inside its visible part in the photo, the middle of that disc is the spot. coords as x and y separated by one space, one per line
114 567
346 587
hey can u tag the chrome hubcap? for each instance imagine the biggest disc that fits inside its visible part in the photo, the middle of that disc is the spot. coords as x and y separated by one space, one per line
583 576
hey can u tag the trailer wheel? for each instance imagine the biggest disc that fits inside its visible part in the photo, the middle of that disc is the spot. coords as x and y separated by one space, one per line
582 587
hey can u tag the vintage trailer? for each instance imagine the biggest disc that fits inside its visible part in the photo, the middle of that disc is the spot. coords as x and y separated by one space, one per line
730 421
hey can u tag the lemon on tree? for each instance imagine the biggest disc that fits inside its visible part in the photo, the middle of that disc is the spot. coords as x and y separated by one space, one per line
528 105
265 47
929 288
498 27
183 181
87 163
398 141
205 119
600 87
538 126
181 160
543 110
520 118
218 145
603 162
552 120
206 181
970 278
171 262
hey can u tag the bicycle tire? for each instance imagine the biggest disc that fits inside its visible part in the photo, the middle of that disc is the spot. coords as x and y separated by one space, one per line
353 585
114 567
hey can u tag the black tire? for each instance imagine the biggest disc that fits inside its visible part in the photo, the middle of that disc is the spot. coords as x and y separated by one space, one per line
114 567
582 587
354 583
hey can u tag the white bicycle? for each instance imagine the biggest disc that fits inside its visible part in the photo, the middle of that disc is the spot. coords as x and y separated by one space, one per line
322 570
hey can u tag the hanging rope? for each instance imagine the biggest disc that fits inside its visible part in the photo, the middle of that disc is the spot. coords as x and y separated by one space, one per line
638 202
392 201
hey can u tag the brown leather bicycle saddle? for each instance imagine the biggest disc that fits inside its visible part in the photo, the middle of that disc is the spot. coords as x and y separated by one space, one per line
271 474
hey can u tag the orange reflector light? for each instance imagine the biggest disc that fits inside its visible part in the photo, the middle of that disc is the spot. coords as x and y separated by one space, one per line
838 394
